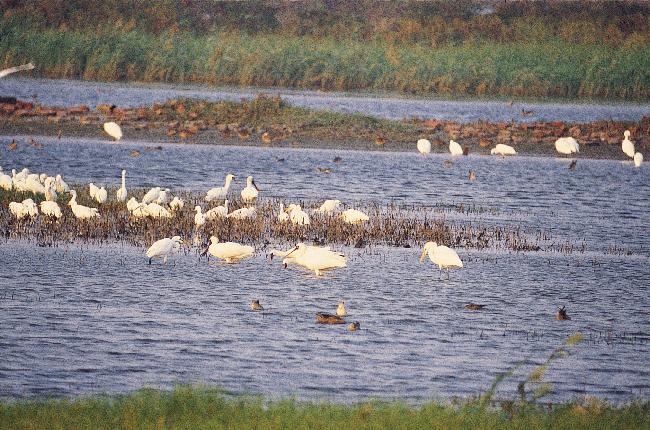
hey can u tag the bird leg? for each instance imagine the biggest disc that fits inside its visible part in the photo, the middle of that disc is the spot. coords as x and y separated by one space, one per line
150 261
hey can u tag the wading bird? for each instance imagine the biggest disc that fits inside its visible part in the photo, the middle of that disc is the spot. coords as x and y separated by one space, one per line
219 193
121 193
251 191
503 150
231 252
163 247
627 145
314 258
567 145
443 257
113 130
455 148
424 146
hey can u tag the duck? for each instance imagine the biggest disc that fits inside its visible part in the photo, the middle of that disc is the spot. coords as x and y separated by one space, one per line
218 193
255 305
474 306
231 252
250 192
354 326
324 318
561 314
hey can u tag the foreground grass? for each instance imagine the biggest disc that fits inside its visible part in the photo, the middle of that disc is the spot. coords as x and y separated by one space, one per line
204 408
553 67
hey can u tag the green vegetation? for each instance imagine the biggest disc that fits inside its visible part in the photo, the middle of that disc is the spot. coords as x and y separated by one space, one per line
557 49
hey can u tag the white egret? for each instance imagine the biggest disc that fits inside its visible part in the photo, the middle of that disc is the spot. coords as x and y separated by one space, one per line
163 197
163 247
444 257
176 204
231 252
638 159
298 216
424 146
199 218
329 206
353 216
113 130
51 208
282 216
61 186
314 258
101 195
218 212
251 191
15 69
567 145
627 145
243 213
132 204
6 183
455 148
50 190
25 208
154 210
79 211
33 184
151 195
220 192
121 193
503 150
92 190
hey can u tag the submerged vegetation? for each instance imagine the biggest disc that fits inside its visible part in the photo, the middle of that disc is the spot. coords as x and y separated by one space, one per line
557 49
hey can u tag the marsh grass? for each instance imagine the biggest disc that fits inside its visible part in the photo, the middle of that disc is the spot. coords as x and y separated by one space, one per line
550 67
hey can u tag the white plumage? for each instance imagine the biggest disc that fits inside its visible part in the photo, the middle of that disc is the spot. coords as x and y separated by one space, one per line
627 145
154 210
442 256
50 208
79 211
424 146
176 204
151 195
243 213
92 190
61 186
163 247
113 130
314 258
101 195
298 216
502 149
250 192
455 148
354 216
199 218
26 208
6 183
231 252
567 145
10 70
218 193
329 206
283 216
638 159
218 212
121 193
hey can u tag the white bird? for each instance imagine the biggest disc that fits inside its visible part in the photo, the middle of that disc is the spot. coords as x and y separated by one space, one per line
79 211
199 218
218 212
176 204
251 191
298 216
627 145
163 197
61 186
455 148
163 247
567 145
218 193
92 190
231 252
121 193
50 190
638 159
444 257
243 213
26 208
113 130
154 210
101 195
282 216
132 204
353 216
33 184
340 310
151 196
424 146
502 149
51 208
6 183
329 206
10 70
314 258
140 211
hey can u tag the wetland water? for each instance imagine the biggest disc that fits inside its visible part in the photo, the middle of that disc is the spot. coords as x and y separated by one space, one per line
78 319
68 93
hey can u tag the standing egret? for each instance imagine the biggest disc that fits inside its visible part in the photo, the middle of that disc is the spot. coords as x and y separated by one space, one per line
567 145
79 211
627 145
51 208
282 216
219 193
199 218
353 216
92 190
163 247
424 146
132 204
298 216
251 191
176 204
638 159
444 257
6 183
218 212
314 258
50 190
455 148
163 197
61 186
25 208
10 70
151 196
113 130
231 252
154 210
101 195
121 192
503 150
329 206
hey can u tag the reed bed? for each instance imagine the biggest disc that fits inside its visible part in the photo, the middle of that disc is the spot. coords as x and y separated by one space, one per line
548 68
392 225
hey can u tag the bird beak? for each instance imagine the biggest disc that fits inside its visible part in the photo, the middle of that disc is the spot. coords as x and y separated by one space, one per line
271 257
253 182
291 252
424 252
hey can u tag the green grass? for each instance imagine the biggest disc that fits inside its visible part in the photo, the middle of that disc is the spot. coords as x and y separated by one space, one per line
551 68
206 408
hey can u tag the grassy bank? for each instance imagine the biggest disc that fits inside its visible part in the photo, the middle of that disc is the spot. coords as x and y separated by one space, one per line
201 408
550 68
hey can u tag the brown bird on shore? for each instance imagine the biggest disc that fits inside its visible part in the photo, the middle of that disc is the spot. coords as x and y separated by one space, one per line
572 166
243 133
471 175
466 150
266 137
561 314
474 306
379 140
13 145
